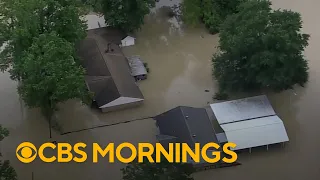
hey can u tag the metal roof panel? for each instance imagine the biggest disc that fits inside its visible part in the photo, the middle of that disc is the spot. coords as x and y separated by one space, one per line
256 132
242 109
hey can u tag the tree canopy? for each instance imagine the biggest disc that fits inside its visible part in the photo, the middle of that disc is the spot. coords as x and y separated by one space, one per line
216 11
157 171
50 74
6 171
261 48
211 12
23 20
192 11
40 38
127 15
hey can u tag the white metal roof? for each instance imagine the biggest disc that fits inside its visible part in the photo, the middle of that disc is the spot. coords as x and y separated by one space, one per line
242 109
95 21
256 132
137 66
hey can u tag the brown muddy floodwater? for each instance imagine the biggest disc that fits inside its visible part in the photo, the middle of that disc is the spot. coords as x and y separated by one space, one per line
180 72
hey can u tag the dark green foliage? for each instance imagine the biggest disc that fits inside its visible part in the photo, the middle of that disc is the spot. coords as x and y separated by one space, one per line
261 48
3 133
50 74
211 12
127 15
94 5
20 22
191 11
157 171
216 11
40 37
220 96
6 171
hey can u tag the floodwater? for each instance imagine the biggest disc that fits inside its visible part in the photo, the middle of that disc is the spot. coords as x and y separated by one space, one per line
180 73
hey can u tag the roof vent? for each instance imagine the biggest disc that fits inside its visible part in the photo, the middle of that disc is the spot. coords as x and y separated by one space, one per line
187 116
193 135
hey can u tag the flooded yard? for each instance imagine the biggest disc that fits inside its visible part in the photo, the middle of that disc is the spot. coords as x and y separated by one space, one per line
180 73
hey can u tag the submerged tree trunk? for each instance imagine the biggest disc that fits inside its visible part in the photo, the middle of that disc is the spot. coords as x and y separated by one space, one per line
48 112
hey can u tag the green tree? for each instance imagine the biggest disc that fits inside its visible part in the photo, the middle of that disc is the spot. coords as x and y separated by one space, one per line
191 11
157 171
23 20
261 48
211 12
50 74
216 11
94 5
6 171
127 15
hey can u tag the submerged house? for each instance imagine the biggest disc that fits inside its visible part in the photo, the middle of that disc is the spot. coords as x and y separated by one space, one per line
250 122
108 73
186 125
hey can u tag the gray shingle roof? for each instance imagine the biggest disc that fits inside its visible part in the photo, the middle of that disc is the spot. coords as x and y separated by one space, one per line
108 74
189 125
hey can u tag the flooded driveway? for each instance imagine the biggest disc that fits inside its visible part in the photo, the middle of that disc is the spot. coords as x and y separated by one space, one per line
180 72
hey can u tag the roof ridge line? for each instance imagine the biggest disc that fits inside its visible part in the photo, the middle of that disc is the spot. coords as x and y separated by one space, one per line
248 119
212 126
256 126
187 124
104 60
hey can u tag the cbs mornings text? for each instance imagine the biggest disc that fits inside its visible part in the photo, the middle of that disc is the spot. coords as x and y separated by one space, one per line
27 152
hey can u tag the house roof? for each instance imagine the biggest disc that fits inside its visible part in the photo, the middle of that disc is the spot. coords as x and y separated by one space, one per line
242 109
187 124
256 132
250 122
109 34
107 73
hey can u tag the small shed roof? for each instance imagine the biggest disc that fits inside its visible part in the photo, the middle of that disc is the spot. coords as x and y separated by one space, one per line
256 132
242 109
137 66
128 38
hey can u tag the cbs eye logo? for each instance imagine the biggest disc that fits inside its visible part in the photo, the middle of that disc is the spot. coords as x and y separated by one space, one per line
26 152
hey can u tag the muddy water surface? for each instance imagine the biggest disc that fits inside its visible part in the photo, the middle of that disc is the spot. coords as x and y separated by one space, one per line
180 72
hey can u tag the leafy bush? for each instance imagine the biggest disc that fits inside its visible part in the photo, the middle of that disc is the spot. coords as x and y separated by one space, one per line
7 172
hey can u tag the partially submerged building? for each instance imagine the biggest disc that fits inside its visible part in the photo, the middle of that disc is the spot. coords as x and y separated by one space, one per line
187 125
96 21
108 73
250 122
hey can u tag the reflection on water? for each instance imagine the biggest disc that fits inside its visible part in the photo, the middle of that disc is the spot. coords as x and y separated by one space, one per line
180 72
